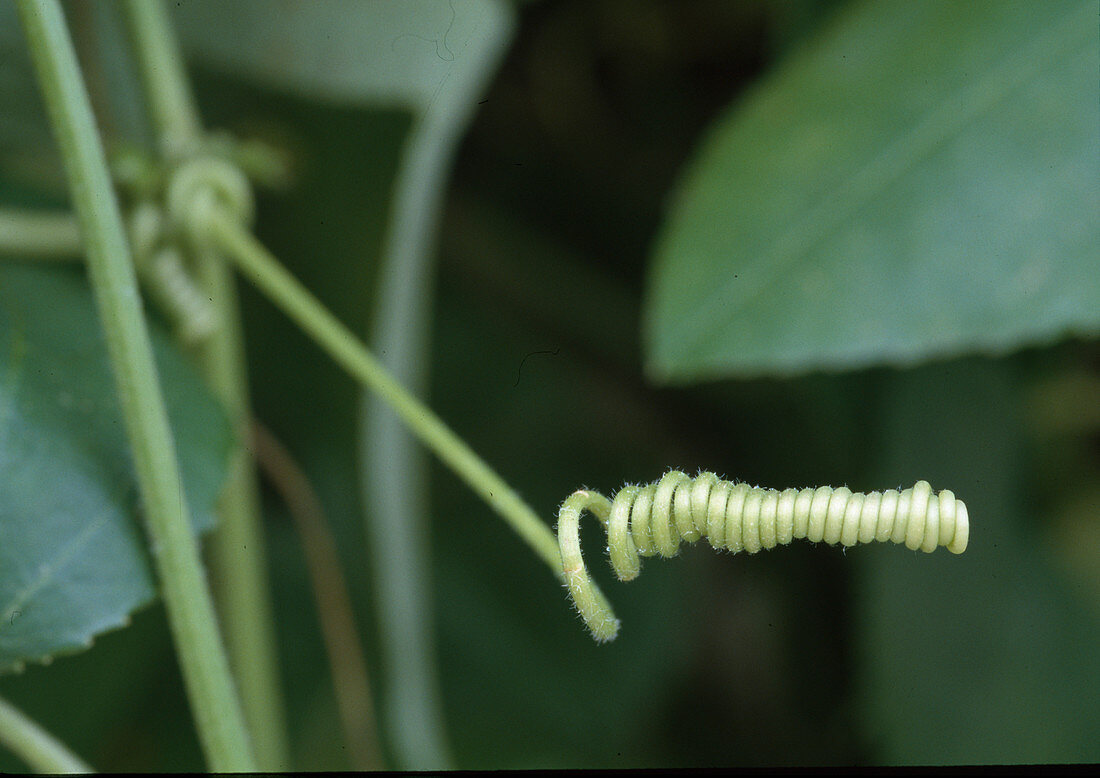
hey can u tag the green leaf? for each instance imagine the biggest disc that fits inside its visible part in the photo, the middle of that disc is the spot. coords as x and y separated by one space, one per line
73 559
922 180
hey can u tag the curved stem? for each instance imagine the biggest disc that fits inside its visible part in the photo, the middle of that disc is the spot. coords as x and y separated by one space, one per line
236 550
252 259
175 552
34 745
394 472
587 597
330 592
394 468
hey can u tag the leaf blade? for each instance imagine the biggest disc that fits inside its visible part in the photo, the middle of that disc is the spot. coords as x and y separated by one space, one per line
910 192
73 559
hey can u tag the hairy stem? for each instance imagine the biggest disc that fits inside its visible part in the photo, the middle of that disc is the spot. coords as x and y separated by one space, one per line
654 519
175 552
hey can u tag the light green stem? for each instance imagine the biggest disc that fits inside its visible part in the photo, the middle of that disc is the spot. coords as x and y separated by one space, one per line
393 466
237 549
39 234
175 552
394 469
34 745
252 259
164 79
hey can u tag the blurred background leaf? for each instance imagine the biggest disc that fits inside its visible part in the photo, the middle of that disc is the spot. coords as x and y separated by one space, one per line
921 180
73 557
342 51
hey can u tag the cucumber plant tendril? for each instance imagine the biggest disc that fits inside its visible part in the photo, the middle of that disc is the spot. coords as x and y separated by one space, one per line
655 519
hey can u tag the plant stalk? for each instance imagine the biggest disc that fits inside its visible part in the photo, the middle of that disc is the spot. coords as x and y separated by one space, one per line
287 293
210 687
34 745
167 91
42 235
346 657
236 550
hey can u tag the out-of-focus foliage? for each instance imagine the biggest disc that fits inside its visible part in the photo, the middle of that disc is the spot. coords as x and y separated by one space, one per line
345 51
803 655
73 560
922 180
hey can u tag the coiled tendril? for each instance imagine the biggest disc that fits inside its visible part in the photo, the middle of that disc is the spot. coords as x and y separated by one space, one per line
654 519
169 207
162 268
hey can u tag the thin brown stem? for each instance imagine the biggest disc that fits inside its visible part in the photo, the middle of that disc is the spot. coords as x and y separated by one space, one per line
345 651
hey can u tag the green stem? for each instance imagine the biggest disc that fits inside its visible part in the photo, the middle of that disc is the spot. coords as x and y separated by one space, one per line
175 552
39 234
34 745
237 549
252 259
393 466
164 79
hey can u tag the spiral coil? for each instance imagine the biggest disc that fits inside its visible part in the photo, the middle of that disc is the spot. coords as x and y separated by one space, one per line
655 519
